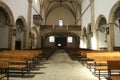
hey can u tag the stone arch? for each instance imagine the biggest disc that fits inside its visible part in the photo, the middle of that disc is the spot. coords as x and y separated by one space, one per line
8 11
101 25
23 28
74 44
6 8
113 16
98 20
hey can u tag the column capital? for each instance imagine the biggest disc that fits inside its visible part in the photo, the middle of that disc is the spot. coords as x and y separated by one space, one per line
30 1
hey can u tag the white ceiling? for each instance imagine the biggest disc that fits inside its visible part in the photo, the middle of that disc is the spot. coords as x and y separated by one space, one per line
72 5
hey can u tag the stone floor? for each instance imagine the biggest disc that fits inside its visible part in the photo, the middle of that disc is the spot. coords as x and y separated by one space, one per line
61 67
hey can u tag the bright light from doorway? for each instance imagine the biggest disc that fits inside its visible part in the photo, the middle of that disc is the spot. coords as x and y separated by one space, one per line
59 44
60 22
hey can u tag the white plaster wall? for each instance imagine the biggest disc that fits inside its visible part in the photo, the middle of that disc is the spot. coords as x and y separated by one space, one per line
86 15
4 37
117 34
103 7
86 18
36 5
102 38
85 5
18 7
60 13
35 10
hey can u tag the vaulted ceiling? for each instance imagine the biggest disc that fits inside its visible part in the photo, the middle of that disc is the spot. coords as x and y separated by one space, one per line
72 5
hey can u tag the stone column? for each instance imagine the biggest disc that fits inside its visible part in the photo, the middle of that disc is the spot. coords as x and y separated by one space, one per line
92 16
39 39
93 23
110 37
12 37
28 24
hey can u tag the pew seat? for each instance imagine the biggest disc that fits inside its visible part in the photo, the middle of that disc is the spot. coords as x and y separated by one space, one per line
116 77
4 68
2 76
113 65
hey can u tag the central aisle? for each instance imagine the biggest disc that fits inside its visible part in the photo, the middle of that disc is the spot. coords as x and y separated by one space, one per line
61 67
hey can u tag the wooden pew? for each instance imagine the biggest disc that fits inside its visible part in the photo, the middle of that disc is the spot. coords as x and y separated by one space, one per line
34 56
87 56
4 68
20 60
113 65
100 60
16 62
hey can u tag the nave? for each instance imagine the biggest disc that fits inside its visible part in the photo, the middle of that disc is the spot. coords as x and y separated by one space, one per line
61 67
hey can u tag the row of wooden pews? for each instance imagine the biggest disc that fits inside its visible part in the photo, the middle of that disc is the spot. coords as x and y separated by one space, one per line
100 59
18 61
100 62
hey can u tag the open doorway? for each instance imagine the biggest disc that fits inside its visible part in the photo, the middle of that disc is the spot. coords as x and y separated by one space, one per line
60 42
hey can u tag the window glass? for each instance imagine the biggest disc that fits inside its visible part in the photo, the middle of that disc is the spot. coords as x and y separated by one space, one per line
60 22
51 39
69 39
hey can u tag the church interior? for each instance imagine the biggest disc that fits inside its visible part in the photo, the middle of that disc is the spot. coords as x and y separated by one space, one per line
59 39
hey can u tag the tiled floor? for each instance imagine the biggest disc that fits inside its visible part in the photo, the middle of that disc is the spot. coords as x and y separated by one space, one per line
61 67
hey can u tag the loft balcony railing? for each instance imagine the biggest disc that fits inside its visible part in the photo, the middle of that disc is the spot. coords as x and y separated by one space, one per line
64 27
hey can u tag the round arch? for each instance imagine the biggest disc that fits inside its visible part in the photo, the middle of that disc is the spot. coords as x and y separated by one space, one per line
101 25
113 16
11 22
62 38
21 31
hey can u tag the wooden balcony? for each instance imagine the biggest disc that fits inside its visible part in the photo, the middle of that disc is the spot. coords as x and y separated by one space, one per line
59 28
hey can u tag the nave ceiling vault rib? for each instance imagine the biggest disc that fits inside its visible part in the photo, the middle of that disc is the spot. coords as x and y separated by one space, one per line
72 5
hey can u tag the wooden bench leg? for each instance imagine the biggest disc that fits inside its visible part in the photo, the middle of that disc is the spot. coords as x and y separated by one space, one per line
23 73
7 72
99 75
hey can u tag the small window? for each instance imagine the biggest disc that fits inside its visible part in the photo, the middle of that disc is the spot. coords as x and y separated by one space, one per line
51 39
69 39
60 22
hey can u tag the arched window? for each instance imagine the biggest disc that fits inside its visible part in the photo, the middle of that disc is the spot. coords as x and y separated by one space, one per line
51 39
